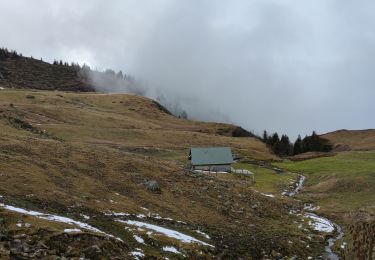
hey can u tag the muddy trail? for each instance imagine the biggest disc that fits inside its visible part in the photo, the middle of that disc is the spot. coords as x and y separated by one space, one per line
325 224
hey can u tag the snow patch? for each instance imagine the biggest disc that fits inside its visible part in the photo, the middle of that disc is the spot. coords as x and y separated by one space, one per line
137 254
84 216
320 224
165 231
139 239
203 234
310 207
171 249
56 218
142 216
117 214
268 195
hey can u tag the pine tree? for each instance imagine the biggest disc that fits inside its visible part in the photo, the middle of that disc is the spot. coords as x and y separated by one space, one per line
275 139
119 75
2 55
297 148
285 145
265 136
184 115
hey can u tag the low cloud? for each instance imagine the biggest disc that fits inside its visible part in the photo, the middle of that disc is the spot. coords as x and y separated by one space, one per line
290 66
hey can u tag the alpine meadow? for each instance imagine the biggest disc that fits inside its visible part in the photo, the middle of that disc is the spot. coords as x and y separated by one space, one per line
182 130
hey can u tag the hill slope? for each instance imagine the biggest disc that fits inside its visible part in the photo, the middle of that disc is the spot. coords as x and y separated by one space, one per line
90 157
359 140
29 73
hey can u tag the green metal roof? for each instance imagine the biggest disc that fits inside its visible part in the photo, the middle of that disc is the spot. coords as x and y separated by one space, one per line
211 155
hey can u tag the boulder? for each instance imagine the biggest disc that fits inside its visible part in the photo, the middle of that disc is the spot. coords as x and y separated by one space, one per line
153 186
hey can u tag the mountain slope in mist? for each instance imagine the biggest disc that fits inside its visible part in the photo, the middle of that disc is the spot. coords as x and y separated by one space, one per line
17 71
22 72
88 156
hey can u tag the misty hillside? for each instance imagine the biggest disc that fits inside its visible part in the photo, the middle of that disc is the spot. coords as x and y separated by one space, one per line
17 71
103 176
22 72
187 130
90 155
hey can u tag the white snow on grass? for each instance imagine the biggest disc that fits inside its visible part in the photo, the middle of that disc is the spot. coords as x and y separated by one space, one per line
203 234
137 254
72 230
268 195
157 216
56 218
165 231
117 214
310 207
142 216
171 249
320 224
139 239
84 216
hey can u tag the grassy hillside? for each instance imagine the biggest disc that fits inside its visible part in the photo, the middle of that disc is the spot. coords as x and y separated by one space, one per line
342 185
79 155
359 140
29 73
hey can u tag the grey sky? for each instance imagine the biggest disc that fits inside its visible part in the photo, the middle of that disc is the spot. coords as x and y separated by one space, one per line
286 66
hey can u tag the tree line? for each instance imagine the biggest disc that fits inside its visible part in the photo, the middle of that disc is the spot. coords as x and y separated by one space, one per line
6 54
282 146
85 70
108 80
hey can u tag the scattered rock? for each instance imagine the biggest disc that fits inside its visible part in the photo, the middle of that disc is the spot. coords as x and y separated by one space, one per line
92 251
153 186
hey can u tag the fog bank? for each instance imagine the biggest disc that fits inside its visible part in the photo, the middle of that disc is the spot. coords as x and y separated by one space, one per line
290 66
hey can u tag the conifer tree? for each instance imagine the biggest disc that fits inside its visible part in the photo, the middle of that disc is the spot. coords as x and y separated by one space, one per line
297 148
265 136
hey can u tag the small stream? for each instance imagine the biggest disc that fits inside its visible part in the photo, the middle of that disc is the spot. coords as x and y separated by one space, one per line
328 253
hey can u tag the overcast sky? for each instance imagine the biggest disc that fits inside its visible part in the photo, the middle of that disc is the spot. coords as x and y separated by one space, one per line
290 66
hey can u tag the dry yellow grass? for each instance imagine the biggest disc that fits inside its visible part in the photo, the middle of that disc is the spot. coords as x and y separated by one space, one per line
92 153
359 140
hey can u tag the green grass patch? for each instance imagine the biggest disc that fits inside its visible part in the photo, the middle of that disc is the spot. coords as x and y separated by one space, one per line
342 183
267 180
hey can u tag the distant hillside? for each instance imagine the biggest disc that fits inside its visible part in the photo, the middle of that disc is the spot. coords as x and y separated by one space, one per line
361 140
19 72
29 73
